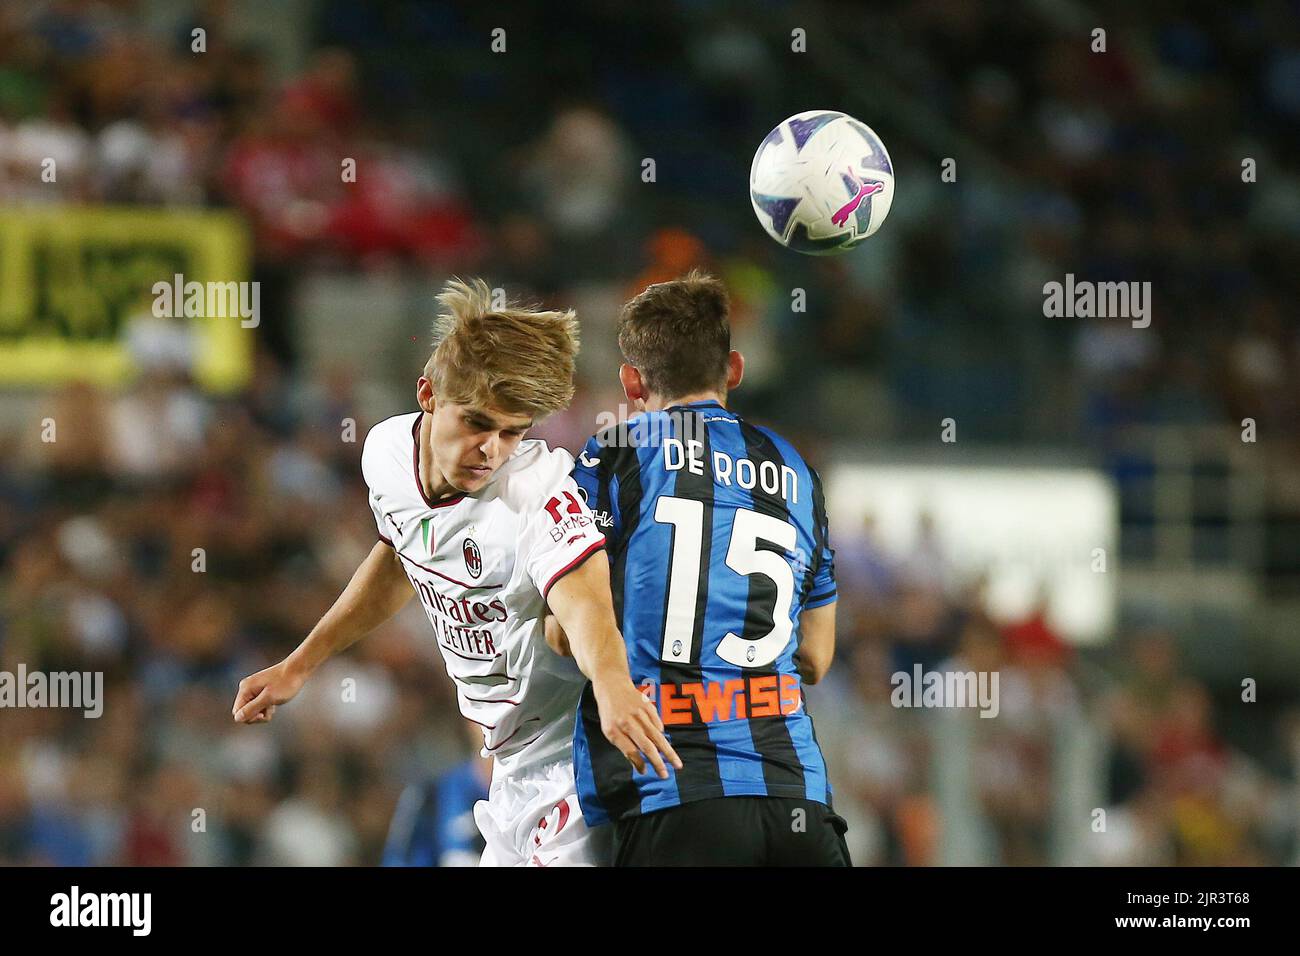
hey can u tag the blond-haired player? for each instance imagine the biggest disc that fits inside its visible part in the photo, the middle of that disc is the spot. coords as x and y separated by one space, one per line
488 528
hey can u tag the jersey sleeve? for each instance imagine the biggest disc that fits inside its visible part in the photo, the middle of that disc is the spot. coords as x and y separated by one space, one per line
823 590
381 523
593 473
560 535
369 468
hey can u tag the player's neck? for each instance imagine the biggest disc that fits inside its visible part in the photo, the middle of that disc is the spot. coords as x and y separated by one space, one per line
434 485
657 403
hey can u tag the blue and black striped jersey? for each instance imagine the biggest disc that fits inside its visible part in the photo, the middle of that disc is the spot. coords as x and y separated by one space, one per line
717 539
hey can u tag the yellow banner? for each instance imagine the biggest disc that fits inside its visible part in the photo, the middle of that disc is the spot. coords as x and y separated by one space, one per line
72 279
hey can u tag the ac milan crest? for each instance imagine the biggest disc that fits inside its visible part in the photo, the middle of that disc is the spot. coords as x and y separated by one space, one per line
473 558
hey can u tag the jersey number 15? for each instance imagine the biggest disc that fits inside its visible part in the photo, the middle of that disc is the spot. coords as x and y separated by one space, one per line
744 557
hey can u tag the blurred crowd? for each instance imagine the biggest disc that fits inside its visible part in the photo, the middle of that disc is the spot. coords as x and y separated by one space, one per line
177 541
1127 164
1127 730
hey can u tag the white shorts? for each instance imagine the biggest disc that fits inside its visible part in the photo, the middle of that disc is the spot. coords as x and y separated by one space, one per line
533 819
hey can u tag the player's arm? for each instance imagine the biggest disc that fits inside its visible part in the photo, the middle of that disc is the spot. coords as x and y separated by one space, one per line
816 643
584 613
817 620
377 591
592 471
556 639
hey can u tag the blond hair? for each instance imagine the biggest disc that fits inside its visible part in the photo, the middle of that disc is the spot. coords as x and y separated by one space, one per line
518 359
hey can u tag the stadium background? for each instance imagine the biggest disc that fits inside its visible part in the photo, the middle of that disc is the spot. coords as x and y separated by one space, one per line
525 166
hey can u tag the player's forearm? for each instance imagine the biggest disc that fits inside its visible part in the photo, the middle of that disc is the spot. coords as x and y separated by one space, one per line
595 642
600 654
583 607
377 591
817 643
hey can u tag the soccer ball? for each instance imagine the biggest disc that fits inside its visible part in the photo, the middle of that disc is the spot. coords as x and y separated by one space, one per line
821 182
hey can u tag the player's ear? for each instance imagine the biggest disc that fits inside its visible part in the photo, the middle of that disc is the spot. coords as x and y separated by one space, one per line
735 369
424 394
630 379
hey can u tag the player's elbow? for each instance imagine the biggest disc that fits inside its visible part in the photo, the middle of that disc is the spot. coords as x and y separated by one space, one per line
814 664
817 647
556 639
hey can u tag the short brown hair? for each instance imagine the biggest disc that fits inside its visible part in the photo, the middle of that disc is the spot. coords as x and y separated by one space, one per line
678 336
520 360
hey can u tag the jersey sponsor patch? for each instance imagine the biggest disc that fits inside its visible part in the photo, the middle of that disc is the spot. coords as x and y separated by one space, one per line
711 701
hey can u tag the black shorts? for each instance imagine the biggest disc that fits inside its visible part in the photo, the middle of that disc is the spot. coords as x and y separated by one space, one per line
734 831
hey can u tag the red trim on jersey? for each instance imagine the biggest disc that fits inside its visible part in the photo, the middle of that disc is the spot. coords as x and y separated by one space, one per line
479 700
461 680
415 462
387 542
468 587
494 726
517 729
572 565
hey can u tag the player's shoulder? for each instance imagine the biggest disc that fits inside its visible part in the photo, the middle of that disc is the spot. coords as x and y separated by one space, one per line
396 429
533 472
388 443
790 455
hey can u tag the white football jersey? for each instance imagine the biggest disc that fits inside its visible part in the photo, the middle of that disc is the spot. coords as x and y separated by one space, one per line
482 565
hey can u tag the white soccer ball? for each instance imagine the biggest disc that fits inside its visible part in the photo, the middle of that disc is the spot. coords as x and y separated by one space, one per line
821 182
